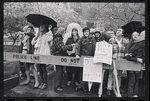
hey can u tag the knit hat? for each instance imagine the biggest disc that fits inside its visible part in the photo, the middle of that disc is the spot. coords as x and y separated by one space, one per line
97 31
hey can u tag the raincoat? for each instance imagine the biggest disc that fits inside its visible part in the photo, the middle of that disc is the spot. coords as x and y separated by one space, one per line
42 46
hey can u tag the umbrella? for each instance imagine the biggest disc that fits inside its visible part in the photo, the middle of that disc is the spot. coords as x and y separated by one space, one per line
37 20
69 30
132 26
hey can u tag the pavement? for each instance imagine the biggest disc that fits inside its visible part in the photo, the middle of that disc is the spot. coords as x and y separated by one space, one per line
68 91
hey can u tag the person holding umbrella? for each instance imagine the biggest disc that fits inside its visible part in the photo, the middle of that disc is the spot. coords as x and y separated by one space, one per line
43 39
136 53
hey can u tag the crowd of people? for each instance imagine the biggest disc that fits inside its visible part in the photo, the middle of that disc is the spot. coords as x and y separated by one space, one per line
49 41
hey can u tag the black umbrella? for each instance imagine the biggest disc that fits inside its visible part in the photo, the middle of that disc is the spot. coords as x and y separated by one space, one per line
132 26
38 19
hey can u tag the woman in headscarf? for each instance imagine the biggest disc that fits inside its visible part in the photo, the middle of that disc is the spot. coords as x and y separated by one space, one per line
72 70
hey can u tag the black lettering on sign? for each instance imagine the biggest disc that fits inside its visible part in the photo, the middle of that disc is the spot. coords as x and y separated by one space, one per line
88 62
37 58
74 60
63 60
20 56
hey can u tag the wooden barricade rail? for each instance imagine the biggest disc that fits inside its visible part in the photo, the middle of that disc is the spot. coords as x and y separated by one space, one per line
121 64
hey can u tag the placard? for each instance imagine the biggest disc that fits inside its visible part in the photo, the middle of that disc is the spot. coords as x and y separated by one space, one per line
103 53
92 72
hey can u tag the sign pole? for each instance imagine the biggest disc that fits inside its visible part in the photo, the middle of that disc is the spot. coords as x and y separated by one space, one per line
116 79
100 91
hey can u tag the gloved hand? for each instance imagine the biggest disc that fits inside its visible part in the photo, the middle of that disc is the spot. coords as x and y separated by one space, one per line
130 58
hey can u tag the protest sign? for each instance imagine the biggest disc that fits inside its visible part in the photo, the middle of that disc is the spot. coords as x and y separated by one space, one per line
92 72
103 53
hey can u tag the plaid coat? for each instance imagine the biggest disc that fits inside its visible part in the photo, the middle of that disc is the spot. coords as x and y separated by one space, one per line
58 48
118 50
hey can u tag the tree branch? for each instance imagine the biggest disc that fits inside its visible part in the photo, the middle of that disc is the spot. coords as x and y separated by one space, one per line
138 13
12 36
123 20
135 11
132 17
104 6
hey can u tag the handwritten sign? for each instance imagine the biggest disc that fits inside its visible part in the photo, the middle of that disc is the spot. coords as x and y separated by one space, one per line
92 72
103 53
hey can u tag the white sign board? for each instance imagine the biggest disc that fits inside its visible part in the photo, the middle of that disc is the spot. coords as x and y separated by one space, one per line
103 53
92 72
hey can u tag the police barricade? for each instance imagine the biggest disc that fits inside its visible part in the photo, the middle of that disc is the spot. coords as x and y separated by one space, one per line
119 64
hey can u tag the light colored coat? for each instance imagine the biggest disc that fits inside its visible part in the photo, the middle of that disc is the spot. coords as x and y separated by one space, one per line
42 46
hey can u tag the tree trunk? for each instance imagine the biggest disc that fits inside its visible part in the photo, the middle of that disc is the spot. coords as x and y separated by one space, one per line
14 42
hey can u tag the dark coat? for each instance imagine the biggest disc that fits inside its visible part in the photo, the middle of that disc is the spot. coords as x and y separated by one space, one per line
70 41
86 46
137 51
129 45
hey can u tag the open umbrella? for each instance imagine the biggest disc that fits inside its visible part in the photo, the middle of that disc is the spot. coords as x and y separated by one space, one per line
38 19
132 26
69 30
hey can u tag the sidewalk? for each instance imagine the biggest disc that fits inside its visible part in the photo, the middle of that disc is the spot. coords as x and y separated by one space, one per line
68 91
29 91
